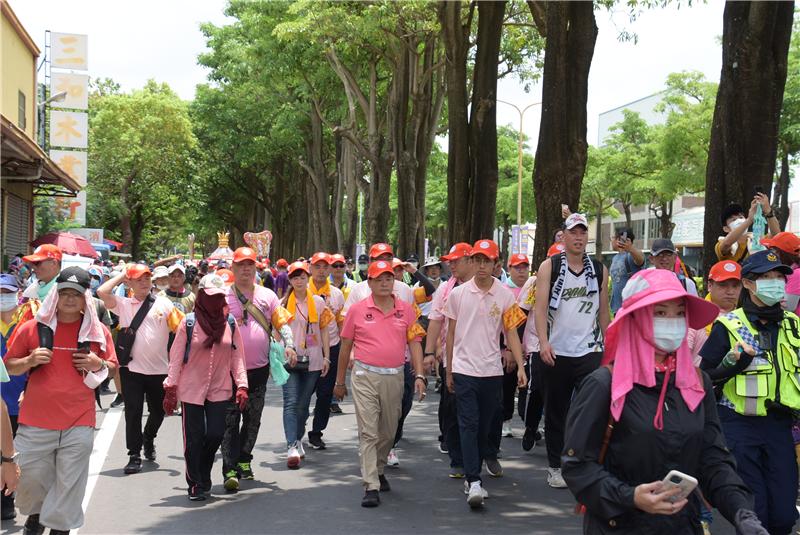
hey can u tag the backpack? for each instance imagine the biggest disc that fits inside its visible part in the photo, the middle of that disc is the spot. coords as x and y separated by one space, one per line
190 321
555 264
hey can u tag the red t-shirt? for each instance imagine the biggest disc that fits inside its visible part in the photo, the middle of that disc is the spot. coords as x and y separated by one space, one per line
56 397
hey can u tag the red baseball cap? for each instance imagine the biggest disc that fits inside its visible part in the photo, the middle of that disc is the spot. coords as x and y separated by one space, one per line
487 248
787 242
321 257
376 269
380 249
459 250
226 275
243 254
337 258
298 265
137 271
46 251
556 248
727 269
518 259
282 262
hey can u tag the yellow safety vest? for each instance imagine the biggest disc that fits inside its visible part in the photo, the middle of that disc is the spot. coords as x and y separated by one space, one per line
761 381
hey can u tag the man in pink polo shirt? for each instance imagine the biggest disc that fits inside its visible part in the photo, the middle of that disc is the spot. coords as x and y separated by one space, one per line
478 312
378 329
460 265
142 377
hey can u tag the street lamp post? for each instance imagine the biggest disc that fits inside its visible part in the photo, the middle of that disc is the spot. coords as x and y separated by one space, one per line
42 112
519 157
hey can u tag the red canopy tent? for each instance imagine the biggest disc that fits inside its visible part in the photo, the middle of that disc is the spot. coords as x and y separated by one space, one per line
68 242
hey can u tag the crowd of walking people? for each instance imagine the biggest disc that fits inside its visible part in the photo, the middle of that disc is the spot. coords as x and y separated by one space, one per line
656 404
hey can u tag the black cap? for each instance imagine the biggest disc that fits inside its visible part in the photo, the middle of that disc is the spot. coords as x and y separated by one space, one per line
363 259
73 278
412 258
660 245
762 262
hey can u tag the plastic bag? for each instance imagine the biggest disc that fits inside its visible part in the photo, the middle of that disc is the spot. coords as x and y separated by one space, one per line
277 358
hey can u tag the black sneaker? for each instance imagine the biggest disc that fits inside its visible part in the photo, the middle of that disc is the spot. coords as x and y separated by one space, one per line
335 408
59 532
117 401
134 465
316 442
443 447
371 499
32 526
528 439
196 493
245 471
494 468
149 449
385 486
7 512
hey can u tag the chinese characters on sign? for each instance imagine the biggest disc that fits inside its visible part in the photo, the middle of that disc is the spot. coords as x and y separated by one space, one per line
70 129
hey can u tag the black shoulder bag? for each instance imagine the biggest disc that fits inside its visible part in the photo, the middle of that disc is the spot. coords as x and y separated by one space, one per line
127 336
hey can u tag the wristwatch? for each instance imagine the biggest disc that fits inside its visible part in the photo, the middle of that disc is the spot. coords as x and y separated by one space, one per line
430 354
12 459
424 379
103 366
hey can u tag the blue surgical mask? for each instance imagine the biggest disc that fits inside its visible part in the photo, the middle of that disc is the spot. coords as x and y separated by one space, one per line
668 333
8 301
771 291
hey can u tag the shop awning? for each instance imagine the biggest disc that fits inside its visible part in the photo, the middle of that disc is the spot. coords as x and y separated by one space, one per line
24 161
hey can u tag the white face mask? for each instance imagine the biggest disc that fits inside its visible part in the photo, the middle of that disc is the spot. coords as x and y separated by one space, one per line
8 302
162 287
736 223
668 333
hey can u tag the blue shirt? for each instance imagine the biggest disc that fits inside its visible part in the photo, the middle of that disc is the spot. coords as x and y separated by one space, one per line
12 389
622 267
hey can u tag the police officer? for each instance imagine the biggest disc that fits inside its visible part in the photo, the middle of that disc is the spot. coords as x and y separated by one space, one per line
752 354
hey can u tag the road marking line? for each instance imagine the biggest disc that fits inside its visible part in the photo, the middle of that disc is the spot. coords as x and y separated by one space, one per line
102 443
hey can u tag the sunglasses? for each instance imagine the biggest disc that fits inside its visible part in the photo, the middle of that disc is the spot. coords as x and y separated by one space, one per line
338 266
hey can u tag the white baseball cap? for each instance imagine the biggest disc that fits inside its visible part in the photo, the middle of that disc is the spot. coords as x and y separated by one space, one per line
574 220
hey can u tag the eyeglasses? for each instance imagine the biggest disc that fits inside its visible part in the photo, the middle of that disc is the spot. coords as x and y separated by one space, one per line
338 266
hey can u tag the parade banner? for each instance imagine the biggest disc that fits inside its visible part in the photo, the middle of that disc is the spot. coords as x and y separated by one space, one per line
69 51
69 129
75 85
260 242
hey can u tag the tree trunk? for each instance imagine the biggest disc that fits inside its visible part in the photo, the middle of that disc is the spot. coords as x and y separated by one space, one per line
455 34
351 170
483 121
598 237
744 134
626 207
504 238
782 208
125 214
319 192
561 153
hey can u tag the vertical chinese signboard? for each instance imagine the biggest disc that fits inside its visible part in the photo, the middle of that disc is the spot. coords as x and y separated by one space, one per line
69 126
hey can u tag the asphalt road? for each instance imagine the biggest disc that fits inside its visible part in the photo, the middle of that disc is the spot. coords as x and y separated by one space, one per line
324 495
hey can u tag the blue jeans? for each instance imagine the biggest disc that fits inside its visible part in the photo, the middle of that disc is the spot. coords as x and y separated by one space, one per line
296 398
479 402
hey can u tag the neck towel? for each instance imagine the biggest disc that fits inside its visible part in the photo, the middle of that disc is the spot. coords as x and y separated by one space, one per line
558 287
291 306
91 329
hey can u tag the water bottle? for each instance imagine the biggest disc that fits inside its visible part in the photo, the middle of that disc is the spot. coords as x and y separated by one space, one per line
732 358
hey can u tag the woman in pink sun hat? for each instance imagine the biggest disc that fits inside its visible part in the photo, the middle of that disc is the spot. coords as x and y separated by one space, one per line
662 415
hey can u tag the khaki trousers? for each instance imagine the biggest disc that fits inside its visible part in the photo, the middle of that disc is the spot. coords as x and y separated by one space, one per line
55 469
378 401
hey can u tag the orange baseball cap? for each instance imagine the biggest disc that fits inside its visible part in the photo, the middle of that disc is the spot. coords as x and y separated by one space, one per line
459 250
337 258
787 242
727 269
487 248
376 269
321 257
380 249
518 259
556 248
294 266
46 251
226 275
243 254
137 271
282 262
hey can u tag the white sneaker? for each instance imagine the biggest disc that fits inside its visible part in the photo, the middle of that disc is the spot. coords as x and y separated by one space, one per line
507 431
476 494
300 449
484 492
293 457
554 478
392 460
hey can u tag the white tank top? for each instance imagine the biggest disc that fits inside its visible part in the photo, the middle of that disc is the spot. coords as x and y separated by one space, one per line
575 327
